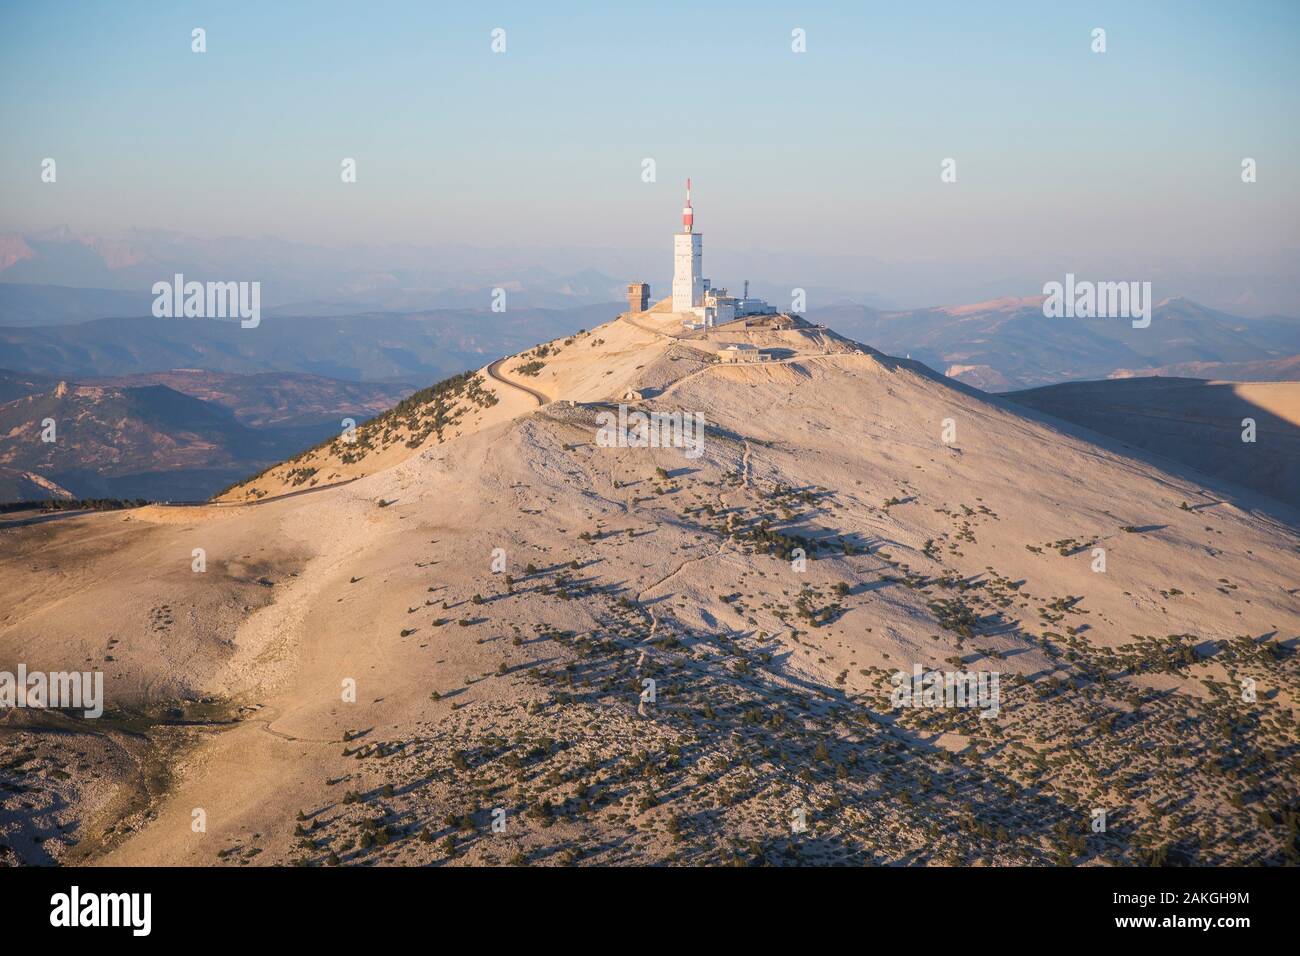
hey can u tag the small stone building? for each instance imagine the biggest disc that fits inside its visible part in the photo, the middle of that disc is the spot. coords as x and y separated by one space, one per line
638 296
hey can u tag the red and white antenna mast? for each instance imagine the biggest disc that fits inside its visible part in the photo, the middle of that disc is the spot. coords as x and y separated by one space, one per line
688 216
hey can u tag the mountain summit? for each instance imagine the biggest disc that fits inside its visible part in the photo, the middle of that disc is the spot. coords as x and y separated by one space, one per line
481 630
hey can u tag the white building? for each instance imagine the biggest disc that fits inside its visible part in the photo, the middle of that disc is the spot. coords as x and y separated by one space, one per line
748 306
688 253
719 308
692 293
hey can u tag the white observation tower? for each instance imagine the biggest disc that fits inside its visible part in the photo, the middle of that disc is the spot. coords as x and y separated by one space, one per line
688 247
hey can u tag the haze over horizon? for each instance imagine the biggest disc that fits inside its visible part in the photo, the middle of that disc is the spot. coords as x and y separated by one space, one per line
707 435
817 168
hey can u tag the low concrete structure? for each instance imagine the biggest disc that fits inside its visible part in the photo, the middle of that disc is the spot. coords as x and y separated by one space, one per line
741 352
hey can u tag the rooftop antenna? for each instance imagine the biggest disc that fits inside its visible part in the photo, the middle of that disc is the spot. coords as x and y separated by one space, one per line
746 295
688 216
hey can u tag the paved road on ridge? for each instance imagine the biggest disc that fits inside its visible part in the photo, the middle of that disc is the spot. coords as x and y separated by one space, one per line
494 371
626 317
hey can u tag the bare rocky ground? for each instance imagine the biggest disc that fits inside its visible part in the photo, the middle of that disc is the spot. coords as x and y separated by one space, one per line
515 695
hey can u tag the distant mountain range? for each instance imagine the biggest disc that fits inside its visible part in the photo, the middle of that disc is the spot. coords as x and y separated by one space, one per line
415 348
306 278
22 304
177 408
999 345
274 399
151 437
1007 343
295 277
1264 370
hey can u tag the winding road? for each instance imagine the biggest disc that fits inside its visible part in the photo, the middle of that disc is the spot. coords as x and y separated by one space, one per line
627 317
494 371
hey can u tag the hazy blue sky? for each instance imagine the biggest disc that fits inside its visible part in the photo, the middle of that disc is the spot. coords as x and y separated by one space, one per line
1063 155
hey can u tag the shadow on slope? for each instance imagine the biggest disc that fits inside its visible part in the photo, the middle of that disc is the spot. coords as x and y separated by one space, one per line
1195 422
